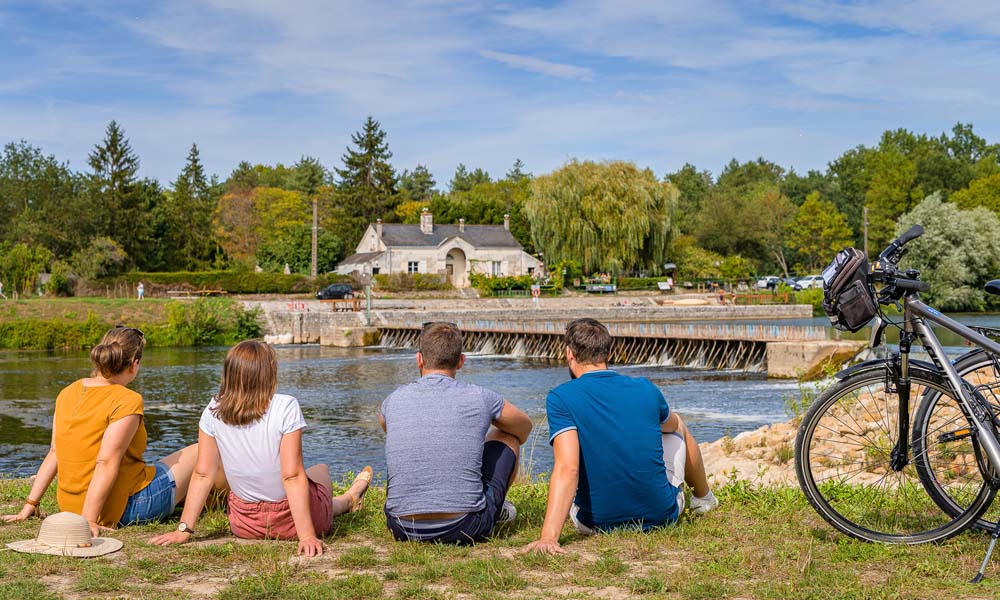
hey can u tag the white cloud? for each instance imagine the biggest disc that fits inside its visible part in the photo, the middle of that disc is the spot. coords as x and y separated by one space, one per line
536 65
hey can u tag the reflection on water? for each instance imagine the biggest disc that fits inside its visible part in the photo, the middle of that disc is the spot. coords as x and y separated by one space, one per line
340 391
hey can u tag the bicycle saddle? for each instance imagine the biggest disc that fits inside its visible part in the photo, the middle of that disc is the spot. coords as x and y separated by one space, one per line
993 287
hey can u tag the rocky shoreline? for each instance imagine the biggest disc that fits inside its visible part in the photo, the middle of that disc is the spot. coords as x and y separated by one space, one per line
763 456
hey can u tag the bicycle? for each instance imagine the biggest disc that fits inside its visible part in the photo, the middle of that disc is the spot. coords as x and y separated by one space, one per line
875 473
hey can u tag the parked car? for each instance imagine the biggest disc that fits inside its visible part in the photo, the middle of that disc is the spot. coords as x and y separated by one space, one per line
336 291
809 282
768 282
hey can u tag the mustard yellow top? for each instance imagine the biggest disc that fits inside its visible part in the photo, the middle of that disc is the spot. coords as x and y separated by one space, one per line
81 418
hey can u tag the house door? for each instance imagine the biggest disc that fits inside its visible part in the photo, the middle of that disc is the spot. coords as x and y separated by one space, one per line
450 269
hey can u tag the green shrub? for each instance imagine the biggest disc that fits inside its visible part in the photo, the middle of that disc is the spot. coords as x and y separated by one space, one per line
408 282
233 282
639 283
812 296
488 284
39 334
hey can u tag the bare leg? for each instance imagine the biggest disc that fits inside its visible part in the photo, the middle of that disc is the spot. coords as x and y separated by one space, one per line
694 466
343 503
511 442
182 465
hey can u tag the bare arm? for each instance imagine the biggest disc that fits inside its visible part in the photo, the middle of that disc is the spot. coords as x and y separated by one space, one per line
562 488
116 439
670 425
514 421
43 479
381 421
296 483
202 481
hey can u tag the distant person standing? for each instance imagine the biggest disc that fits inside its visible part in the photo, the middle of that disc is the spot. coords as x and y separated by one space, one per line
140 290
1 291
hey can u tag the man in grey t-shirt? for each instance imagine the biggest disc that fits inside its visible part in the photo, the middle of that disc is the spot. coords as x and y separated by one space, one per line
451 448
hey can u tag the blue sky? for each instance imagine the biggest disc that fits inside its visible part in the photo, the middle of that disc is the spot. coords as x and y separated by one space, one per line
660 83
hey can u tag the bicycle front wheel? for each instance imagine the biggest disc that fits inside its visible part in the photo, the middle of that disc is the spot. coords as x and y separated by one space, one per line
946 450
844 462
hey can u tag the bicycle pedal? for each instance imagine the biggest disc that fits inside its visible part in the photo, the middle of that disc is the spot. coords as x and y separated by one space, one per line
959 434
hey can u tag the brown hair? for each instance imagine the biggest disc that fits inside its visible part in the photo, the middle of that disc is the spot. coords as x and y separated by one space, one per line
589 340
119 348
441 345
249 380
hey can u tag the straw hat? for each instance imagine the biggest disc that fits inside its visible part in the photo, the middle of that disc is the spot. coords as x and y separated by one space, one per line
67 534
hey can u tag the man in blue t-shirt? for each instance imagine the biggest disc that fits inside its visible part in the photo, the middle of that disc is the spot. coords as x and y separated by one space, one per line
618 448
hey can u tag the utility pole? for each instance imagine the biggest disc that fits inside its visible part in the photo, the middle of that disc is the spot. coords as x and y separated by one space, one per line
315 232
864 227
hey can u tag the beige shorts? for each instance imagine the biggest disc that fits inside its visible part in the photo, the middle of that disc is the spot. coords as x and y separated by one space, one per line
674 457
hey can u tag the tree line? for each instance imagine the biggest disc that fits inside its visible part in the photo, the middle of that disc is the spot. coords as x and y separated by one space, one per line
754 217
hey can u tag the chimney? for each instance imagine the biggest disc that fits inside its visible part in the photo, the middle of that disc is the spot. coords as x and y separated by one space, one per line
506 222
378 228
426 222
461 225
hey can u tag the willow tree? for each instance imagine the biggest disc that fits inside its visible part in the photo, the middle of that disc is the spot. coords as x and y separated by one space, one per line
608 216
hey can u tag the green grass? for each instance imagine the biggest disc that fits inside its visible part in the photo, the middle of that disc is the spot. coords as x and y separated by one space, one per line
761 543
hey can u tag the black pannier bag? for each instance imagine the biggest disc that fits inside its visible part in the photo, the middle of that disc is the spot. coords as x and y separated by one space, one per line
848 299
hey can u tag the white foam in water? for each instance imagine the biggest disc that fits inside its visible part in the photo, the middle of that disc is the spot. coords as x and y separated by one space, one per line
732 417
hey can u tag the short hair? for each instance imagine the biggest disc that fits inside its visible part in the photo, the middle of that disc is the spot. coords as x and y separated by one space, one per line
441 345
119 348
249 380
589 340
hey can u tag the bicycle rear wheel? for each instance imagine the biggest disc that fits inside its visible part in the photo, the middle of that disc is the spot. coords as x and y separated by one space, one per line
946 450
843 460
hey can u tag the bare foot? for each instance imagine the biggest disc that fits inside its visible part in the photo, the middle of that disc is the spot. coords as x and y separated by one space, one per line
359 488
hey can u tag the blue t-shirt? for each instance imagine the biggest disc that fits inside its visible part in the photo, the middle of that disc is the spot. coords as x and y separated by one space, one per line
623 480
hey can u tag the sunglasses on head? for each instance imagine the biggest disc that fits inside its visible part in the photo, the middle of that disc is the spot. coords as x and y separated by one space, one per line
135 329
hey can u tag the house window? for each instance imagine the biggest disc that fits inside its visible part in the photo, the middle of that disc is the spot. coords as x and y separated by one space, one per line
412 267
496 268
531 270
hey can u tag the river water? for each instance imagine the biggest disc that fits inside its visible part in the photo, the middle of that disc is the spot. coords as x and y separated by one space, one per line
340 391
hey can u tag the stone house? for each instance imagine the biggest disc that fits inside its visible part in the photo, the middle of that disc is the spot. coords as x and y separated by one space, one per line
452 250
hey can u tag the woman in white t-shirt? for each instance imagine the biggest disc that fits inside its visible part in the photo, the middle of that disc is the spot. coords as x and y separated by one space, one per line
255 435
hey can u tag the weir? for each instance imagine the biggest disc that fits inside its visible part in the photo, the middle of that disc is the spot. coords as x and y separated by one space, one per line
731 346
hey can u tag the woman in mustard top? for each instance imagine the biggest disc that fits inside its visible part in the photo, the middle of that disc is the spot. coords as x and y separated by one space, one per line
98 439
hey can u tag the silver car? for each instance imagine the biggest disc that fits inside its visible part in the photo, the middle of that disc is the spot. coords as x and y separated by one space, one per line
812 281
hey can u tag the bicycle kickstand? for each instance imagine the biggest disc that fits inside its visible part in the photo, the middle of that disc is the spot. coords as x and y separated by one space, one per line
989 552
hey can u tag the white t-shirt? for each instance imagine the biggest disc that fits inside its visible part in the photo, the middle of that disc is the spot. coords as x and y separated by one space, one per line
250 452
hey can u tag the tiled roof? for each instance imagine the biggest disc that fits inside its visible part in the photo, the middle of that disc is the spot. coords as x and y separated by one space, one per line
491 236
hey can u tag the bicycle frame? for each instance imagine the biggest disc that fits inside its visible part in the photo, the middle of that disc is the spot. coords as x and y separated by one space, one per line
916 314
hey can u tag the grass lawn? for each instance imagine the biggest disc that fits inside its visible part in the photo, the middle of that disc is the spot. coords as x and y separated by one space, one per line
112 310
761 543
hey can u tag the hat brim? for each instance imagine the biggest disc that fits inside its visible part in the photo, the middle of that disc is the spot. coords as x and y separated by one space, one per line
98 547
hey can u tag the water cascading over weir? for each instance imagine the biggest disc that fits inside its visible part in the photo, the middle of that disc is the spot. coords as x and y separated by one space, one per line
739 346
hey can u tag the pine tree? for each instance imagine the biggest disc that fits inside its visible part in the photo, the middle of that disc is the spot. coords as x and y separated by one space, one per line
188 214
417 186
121 208
367 189
516 172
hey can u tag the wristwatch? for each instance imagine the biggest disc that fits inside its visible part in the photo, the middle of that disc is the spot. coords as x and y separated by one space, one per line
184 528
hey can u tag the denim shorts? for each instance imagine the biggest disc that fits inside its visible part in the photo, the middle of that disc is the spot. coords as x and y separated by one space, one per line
155 502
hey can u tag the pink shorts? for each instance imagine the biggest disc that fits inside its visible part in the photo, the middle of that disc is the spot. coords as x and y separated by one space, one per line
273 520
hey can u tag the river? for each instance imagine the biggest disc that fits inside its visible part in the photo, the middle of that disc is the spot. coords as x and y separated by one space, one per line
340 391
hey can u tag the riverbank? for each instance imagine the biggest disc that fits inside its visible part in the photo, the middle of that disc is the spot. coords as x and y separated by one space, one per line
73 323
762 542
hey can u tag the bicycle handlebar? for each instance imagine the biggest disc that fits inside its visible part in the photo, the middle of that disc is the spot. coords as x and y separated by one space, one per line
910 284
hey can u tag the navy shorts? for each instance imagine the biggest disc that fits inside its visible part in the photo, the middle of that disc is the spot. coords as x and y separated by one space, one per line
155 502
499 462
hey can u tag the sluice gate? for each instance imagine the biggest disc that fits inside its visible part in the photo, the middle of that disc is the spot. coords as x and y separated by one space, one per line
705 353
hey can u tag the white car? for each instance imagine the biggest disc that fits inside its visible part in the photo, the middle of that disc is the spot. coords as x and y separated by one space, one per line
768 282
812 281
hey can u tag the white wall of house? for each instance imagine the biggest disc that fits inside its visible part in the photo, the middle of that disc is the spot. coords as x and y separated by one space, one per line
502 261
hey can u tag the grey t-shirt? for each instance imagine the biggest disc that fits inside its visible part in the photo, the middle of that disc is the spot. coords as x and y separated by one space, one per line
435 428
